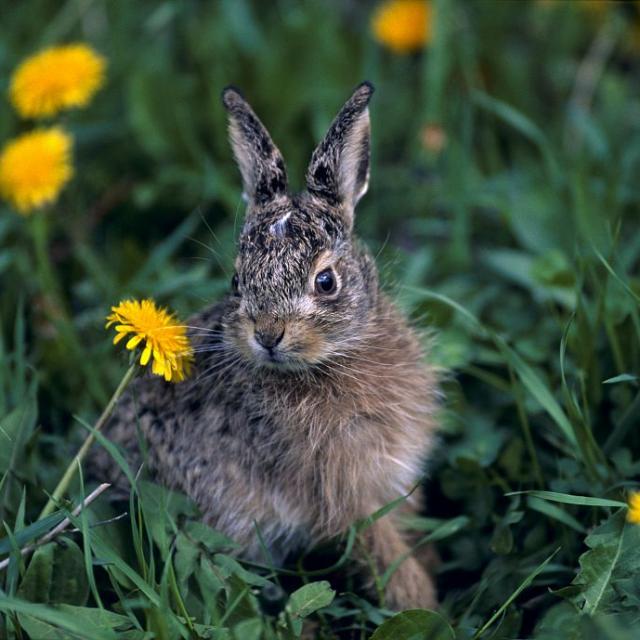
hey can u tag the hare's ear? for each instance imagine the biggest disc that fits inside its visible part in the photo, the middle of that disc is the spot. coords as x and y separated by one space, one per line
264 176
339 168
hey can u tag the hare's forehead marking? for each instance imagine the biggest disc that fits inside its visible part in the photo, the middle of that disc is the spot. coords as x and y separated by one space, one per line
279 227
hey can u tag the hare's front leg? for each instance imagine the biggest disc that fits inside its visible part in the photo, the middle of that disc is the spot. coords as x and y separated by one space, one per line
410 586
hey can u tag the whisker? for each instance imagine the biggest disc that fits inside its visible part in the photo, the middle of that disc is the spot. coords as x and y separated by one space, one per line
213 252
206 224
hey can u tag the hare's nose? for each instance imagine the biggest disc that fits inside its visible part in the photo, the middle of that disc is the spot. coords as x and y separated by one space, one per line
269 335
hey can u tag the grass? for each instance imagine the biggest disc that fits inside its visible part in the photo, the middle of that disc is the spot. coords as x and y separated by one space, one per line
512 230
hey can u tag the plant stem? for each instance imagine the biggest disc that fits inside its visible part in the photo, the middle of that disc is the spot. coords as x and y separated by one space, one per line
86 445
56 309
526 428
61 527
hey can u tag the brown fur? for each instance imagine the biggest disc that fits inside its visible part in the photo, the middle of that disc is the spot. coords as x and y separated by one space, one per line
334 417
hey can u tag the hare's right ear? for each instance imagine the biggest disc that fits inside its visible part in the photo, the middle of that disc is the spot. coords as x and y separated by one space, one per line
339 169
264 176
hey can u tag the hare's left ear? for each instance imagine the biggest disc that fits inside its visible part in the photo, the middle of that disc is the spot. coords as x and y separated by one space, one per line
339 168
264 176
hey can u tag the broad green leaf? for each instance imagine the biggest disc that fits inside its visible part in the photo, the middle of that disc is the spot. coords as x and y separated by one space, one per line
210 584
93 618
56 574
250 629
502 540
99 618
232 566
309 598
211 539
241 604
612 556
162 508
561 622
414 624
36 584
43 630
185 559
60 617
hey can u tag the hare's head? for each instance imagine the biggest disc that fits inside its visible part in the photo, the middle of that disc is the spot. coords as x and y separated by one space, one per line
304 288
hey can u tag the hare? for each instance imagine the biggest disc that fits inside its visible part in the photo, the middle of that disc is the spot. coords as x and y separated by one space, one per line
311 405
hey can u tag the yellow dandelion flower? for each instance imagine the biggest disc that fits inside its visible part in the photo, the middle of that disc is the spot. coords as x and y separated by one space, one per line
158 330
633 515
403 25
35 167
55 79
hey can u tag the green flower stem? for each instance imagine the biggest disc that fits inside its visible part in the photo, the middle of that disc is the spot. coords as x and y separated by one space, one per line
63 485
46 274
526 429
57 310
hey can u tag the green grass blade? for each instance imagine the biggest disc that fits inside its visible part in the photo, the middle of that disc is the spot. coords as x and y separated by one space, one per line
551 510
566 498
523 585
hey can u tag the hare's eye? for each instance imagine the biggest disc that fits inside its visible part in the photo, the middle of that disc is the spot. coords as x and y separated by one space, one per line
235 281
326 282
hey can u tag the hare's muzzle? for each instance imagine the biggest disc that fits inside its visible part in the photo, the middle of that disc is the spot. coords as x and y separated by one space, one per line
268 333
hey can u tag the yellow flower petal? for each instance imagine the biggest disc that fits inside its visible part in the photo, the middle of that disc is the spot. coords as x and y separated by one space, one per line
158 356
633 514
57 78
403 26
146 354
133 342
35 167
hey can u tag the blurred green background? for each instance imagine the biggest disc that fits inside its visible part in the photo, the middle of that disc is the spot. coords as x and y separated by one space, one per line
504 213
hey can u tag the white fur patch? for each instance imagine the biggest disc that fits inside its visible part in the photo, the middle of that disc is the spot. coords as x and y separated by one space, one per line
278 227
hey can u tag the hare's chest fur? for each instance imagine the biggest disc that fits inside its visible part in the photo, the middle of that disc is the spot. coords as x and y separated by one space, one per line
338 457
318 479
